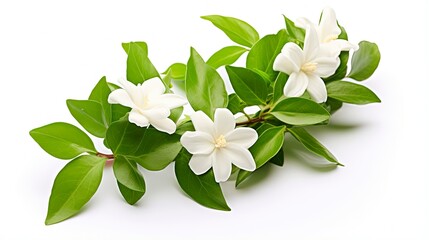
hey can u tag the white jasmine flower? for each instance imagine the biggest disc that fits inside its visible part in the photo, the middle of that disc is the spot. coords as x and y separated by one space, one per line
328 32
218 143
149 102
305 67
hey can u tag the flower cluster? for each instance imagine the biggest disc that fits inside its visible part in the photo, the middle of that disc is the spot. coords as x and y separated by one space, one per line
295 78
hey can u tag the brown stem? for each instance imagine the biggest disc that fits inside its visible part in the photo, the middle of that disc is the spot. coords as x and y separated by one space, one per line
108 156
251 121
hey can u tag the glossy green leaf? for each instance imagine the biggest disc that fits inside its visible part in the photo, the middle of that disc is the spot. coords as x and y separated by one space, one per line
139 67
150 148
100 94
266 147
312 144
201 188
248 85
351 93
364 61
237 30
205 89
184 127
176 113
279 158
332 105
62 140
279 85
119 112
90 116
127 173
129 195
265 51
235 104
177 71
226 56
299 111
294 31
74 186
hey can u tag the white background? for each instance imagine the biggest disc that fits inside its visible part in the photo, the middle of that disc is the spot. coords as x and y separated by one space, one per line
54 50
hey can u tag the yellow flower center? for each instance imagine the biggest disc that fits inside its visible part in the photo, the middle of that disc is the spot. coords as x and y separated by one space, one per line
309 67
220 142
329 38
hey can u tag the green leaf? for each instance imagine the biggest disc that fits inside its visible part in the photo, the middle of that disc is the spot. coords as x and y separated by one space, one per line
299 111
235 104
62 140
74 186
248 85
332 105
266 147
177 71
176 113
278 159
341 71
150 148
119 112
294 31
139 67
312 144
264 52
184 127
351 93
204 87
279 85
237 30
364 61
100 94
201 188
226 56
127 174
90 115
129 195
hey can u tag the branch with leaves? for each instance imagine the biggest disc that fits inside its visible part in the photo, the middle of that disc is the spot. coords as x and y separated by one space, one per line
297 77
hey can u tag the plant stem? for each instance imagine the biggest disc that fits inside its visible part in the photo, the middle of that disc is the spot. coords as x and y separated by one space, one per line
251 121
108 156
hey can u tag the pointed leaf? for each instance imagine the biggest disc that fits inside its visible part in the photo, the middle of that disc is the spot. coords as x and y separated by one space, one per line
364 61
299 111
351 93
100 94
205 88
90 116
129 195
139 67
312 144
62 140
177 71
265 51
235 104
150 148
294 31
127 174
74 186
201 188
237 30
266 147
226 56
248 85
279 85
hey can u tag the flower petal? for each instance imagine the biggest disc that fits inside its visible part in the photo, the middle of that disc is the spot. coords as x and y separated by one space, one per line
242 136
120 96
201 163
317 89
197 142
138 119
311 44
164 125
302 22
290 59
326 66
156 113
224 121
169 100
239 156
328 27
202 122
296 85
152 87
221 165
